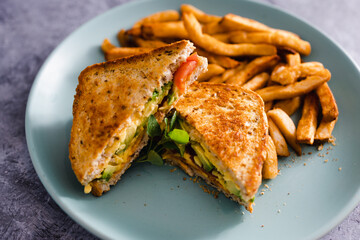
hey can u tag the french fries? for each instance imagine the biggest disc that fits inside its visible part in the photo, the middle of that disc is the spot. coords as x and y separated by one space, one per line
250 54
164 16
279 140
116 53
329 107
148 43
123 38
164 30
200 15
323 132
254 67
213 45
294 89
270 167
293 59
257 82
286 126
213 70
277 38
223 61
286 75
306 128
289 105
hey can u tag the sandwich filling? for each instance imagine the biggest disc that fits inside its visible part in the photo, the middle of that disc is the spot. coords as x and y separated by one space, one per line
124 144
199 159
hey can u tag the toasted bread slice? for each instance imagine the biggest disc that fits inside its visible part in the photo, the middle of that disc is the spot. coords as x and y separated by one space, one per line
112 103
228 124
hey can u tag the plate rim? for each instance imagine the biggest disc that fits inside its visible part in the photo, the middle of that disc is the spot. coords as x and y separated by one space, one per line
336 220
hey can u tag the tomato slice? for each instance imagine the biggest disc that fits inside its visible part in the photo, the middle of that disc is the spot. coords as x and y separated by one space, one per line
184 71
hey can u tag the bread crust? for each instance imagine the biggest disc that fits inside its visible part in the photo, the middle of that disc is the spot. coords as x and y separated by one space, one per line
109 95
232 123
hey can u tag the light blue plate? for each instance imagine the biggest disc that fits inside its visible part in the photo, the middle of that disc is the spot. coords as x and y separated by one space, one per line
150 202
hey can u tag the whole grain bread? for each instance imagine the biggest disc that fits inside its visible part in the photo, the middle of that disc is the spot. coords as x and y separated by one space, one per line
110 96
231 121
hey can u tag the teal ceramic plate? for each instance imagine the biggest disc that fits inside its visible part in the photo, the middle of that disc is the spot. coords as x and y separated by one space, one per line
150 202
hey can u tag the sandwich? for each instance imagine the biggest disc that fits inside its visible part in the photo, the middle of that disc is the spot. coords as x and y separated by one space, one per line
227 128
112 104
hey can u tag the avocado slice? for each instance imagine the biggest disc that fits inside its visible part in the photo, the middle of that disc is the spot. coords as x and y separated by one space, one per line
201 155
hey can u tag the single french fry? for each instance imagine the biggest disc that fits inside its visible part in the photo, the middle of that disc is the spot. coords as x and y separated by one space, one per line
268 105
164 30
279 140
164 16
293 59
306 128
287 75
106 46
289 105
223 37
213 28
323 132
270 167
256 66
257 82
149 43
123 38
329 107
233 22
213 70
116 53
223 61
200 15
228 74
213 45
286 126
135 32
294 89
277 38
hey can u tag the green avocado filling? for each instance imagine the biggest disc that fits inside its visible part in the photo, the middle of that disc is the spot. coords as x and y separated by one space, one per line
121 154
203 158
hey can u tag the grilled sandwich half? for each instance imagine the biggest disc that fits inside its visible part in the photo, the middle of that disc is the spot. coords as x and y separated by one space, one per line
112 104
227 126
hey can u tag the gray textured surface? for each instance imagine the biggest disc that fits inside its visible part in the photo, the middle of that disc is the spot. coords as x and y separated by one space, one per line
29 31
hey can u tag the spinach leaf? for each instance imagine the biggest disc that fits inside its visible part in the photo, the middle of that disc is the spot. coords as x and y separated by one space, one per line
153 127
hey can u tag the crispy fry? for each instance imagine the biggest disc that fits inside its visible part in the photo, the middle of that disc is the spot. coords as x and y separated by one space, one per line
123 38
164 30
323 132
228 74
277 38
268 105
329 107
294 89
213 28
223 61
223 37
257 82
213 45
148 43
279 140
135 32
234 22
106 46
289 105
256 66
116 53
286 126
306 128
286 75
293 59
164 16
270 167
213 70
200 15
